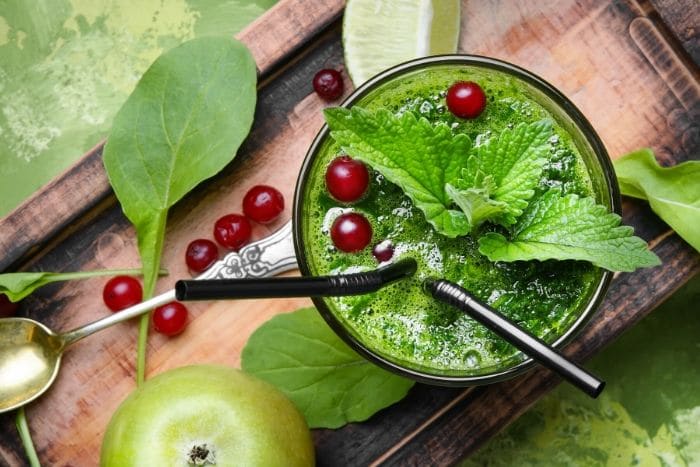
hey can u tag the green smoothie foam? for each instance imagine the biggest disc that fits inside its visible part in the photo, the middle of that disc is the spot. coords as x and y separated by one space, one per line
402 323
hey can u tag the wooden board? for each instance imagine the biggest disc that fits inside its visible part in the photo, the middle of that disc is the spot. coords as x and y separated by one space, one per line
616 61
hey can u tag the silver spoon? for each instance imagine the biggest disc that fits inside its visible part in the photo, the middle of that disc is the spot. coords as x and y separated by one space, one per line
30 352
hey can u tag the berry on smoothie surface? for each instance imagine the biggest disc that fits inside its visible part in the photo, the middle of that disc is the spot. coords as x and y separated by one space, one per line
351 232
383 251
466 99
347 179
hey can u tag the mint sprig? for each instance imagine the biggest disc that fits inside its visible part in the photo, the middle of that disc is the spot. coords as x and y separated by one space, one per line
570 227
501 175
418 157
477 204
459 187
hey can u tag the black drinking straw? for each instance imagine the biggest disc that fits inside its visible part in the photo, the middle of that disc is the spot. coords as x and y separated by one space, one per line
371 281
533 347
285 287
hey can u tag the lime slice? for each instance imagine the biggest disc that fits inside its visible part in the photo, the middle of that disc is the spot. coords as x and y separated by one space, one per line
378 34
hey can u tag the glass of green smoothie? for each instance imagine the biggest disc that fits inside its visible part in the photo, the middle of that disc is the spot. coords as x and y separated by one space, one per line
401 327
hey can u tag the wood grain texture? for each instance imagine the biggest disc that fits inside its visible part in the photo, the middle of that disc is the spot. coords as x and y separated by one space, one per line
272 39
609 58
682 17
618 74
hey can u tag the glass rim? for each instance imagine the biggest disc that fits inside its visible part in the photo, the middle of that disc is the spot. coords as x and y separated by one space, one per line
571 111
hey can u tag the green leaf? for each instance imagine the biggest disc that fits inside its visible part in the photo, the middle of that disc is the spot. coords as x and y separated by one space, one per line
513 162
26 437
329 383
17 285
182 124
418 157
476 204
673 192
570 227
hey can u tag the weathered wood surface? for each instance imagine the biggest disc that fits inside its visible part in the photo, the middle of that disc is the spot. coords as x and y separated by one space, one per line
682 18
614 60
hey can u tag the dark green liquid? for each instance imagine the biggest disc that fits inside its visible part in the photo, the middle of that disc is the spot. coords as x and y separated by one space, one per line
403 324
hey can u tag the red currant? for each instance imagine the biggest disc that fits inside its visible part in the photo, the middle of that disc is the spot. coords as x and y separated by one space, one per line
201 254
170 319
466 99
383 251
7 307
328 84
263 204
232 231
346 179
122 292
351 232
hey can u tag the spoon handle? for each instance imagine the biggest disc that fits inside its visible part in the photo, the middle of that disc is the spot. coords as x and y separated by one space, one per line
533 347
266 257
124 315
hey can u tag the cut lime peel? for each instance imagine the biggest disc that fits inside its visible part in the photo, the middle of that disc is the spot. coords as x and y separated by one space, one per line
419 28
425 29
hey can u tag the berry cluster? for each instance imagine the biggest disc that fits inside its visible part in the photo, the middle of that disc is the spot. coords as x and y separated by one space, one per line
347 181
262 204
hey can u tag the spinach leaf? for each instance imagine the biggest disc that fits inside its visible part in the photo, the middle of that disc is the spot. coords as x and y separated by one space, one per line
183 123
329 383
673 192
17 285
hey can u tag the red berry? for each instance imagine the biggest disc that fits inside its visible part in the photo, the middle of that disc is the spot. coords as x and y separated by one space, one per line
346 179
201 254
351 232
466 99
170 319
232 231
328 84
122 292
7 307
263 204
383 251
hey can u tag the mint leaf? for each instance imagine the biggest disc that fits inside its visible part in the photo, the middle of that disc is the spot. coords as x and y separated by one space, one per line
418 157
570 227
512 164
476 204
673 192
330 384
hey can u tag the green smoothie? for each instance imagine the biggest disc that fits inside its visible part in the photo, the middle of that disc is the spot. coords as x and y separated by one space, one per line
401 323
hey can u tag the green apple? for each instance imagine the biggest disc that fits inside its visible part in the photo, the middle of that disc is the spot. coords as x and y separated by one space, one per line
207 415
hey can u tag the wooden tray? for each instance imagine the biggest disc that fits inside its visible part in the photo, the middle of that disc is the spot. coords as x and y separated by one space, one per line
630 72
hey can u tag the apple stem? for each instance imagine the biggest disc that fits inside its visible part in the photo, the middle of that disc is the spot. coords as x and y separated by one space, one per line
201 454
